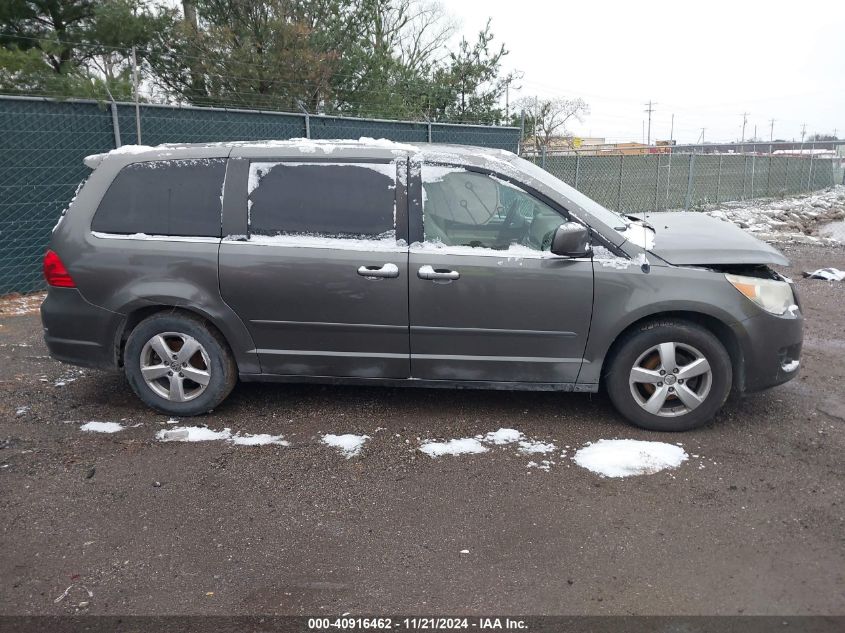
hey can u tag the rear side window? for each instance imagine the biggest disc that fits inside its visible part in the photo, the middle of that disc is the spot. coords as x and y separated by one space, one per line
338 200
166 197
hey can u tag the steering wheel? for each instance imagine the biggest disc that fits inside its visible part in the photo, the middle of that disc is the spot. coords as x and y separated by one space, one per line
510 219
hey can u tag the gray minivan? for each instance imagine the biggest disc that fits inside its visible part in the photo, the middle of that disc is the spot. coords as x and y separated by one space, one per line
372 262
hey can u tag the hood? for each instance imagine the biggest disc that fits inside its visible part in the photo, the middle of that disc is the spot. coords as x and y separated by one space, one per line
691 238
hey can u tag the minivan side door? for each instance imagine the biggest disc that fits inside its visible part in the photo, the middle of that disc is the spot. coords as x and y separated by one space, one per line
318 268
488 301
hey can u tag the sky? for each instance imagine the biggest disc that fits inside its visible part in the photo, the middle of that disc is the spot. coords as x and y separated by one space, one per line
706 62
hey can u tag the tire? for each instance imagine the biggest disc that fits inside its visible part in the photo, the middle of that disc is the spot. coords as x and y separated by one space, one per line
690 399
196 349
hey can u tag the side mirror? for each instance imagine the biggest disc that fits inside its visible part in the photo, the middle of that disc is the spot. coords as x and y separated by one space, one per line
572 240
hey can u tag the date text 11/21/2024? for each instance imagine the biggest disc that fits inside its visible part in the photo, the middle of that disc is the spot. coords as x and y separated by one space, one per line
416 623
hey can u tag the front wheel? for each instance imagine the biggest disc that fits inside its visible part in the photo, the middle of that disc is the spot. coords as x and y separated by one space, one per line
178 365
669 375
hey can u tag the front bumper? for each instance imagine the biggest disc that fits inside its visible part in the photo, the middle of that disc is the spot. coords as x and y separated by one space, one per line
78 332
771 350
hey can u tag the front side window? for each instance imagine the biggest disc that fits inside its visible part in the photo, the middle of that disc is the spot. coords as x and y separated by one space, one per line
465 208
164 197
328 200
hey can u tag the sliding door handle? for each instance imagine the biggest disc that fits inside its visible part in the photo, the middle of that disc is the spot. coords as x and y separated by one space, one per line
432 274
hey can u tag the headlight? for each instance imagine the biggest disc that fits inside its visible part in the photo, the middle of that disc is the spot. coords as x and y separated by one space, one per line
771 295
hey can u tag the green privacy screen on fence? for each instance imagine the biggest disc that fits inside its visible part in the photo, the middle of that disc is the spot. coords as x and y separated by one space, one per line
42 144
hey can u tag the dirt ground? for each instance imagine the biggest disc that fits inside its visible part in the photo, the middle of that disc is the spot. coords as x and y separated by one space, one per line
752 523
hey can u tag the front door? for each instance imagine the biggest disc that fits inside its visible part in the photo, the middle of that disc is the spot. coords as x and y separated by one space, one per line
488 301
321 279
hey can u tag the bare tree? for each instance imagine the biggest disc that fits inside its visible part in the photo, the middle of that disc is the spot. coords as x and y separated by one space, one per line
548 118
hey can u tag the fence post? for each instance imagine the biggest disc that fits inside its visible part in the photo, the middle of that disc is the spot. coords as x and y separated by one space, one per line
543 158
521 133
429 132
718 179
578 169
656 183
786 177
810 171
689 181
744 176
115 122
753 166
769 175
619 189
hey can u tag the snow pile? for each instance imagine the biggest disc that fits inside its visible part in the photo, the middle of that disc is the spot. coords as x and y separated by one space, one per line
481 443
503 436
348 444
459 446
623 458
258 439
193 434
102 427
795 219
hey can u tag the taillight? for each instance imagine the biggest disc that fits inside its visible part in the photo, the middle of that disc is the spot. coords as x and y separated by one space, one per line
55 272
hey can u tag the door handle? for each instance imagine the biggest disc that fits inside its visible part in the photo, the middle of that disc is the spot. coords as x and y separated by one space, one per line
386 271
427 272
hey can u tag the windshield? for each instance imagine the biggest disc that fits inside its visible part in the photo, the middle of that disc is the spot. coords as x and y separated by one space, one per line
603 215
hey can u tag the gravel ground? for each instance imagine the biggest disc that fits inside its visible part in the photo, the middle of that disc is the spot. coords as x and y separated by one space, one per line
752 523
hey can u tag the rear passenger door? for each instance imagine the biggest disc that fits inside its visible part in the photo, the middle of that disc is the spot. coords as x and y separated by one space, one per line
319 271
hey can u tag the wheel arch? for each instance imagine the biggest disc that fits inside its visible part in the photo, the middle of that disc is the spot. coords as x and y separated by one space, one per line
721 330
139 313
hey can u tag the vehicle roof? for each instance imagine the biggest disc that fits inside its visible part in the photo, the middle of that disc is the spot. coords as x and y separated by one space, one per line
364 148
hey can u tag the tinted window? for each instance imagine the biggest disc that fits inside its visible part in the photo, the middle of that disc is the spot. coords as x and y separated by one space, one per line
332 200
167 197
464 208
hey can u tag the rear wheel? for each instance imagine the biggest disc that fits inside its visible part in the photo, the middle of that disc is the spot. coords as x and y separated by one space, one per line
669 375
178 365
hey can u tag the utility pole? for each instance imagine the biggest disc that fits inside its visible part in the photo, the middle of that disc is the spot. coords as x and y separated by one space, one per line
771 130
135 86
672 129
701 138
803 131
649 109
744 121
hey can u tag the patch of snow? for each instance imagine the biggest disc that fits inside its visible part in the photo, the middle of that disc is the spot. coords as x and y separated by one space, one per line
459 446
513 252
639 234
348 444
258 439
791 366
193 434
20 411
503 436
102 427
160 238
604 257
19 305
623 458
536 446
545 465
386 243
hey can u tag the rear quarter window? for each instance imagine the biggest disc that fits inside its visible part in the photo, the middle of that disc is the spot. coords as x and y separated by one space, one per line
167 197
349 200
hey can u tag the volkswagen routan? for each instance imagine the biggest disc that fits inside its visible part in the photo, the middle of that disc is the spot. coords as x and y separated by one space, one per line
369 262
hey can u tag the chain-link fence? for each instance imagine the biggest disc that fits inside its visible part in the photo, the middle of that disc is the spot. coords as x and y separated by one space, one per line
657 182
43 142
